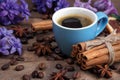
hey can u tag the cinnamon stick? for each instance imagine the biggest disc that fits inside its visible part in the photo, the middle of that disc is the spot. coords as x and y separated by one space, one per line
101 60
42 25
100 52
98 47
93 43
109 27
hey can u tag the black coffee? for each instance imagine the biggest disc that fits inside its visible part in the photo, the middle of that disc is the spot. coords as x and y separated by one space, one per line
75 21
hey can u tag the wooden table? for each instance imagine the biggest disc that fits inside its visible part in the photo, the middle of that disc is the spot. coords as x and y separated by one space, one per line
31 62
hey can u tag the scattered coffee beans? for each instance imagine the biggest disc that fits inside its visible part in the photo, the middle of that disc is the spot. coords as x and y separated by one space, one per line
5 66
34 74
40 75
42 66
59 66
19 67
26 77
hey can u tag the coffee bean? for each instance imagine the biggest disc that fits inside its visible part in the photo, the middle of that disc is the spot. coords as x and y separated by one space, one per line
19 67
26 77
42 66
40 75
20 58
13 62
24 40
70 61
59 66
34 74
30 48
70 68
5 66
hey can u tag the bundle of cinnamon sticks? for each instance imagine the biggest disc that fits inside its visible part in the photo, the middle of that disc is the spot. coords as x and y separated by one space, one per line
89 55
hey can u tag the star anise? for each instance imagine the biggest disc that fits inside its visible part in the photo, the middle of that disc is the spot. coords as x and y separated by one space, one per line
104 71
59 75
20 31
41 49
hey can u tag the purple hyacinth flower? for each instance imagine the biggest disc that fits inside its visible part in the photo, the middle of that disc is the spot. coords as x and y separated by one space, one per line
87 5
8 43
24 9
61 4
49 3
40 4
11 12
50 6
106 6
4 32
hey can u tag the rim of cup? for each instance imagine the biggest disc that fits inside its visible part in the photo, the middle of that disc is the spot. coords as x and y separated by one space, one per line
73 8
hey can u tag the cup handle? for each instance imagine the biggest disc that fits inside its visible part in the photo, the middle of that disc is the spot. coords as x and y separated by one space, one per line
101 22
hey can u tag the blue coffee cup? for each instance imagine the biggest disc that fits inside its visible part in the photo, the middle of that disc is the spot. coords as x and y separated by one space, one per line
66 37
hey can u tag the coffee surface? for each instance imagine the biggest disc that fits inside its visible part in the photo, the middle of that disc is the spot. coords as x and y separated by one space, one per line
75 21
72 23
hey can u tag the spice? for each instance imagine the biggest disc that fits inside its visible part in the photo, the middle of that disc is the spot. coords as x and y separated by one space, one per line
41 49
26 77
59 66
104 71
42 25
59 75
40 75
42 66
5 66
34 74
19 31
19 67
23 33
